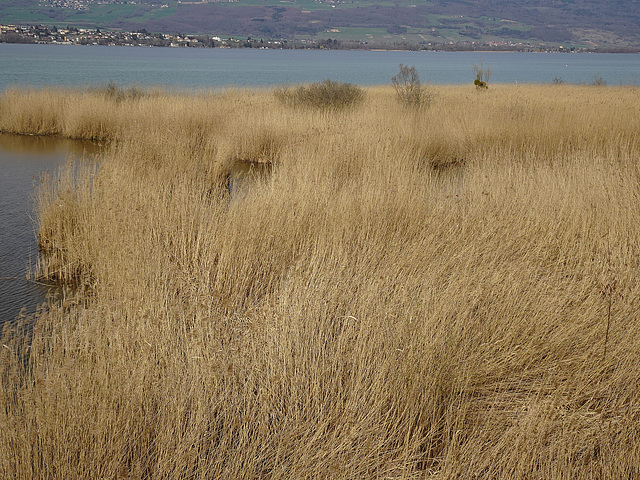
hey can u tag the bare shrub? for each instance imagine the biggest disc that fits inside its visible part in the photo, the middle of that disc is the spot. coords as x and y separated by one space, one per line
409 90
482 76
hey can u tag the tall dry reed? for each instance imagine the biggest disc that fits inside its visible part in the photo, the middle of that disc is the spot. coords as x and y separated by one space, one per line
407 294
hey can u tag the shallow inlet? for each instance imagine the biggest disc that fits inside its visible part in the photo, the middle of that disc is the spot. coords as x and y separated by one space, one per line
23 159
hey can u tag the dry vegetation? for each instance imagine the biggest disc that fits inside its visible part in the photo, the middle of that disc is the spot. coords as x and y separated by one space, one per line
410 293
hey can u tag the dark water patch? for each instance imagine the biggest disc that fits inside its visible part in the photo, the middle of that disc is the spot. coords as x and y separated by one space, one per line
447 166
23 159
244 174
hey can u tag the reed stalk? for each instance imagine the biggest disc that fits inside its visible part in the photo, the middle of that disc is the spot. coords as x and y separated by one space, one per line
403 294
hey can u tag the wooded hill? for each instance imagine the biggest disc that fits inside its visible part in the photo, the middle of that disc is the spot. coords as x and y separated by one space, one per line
603 23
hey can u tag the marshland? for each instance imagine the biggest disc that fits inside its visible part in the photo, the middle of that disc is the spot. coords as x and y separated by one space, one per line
447 290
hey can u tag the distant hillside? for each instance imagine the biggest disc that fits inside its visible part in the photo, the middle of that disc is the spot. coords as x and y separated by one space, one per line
604 23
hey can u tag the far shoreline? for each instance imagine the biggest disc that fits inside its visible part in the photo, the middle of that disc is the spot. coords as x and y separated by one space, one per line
41 34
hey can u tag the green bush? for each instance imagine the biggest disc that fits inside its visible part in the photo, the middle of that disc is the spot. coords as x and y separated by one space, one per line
324 95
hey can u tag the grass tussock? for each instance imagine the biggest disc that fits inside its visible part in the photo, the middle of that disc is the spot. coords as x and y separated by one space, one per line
443 293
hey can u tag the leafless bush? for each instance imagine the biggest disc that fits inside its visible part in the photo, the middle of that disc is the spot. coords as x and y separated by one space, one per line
410 92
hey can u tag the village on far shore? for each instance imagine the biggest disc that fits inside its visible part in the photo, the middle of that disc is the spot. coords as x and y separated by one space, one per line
70 35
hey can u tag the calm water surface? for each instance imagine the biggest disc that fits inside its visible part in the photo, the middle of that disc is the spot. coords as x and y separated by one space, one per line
71 65
22 160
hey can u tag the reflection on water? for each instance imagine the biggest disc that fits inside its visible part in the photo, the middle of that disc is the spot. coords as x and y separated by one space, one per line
45 145
22 160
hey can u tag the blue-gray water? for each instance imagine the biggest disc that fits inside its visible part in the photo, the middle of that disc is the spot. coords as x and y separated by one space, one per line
22 161
70 65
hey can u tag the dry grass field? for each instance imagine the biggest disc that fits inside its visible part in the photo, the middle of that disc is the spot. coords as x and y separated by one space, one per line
450 292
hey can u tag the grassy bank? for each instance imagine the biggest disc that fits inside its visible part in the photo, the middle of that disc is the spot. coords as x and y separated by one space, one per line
449 292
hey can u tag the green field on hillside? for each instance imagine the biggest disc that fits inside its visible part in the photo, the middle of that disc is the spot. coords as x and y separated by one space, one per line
357 20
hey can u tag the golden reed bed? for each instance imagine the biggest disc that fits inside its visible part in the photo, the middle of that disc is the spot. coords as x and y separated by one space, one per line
450 292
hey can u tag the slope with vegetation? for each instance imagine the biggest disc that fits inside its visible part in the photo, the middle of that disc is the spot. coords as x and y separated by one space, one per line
610 23
436 290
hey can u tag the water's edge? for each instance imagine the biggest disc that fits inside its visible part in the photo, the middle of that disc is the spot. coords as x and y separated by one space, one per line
23 159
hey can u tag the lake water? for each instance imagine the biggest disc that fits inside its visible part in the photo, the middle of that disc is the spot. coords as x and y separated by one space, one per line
22 160
71 65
